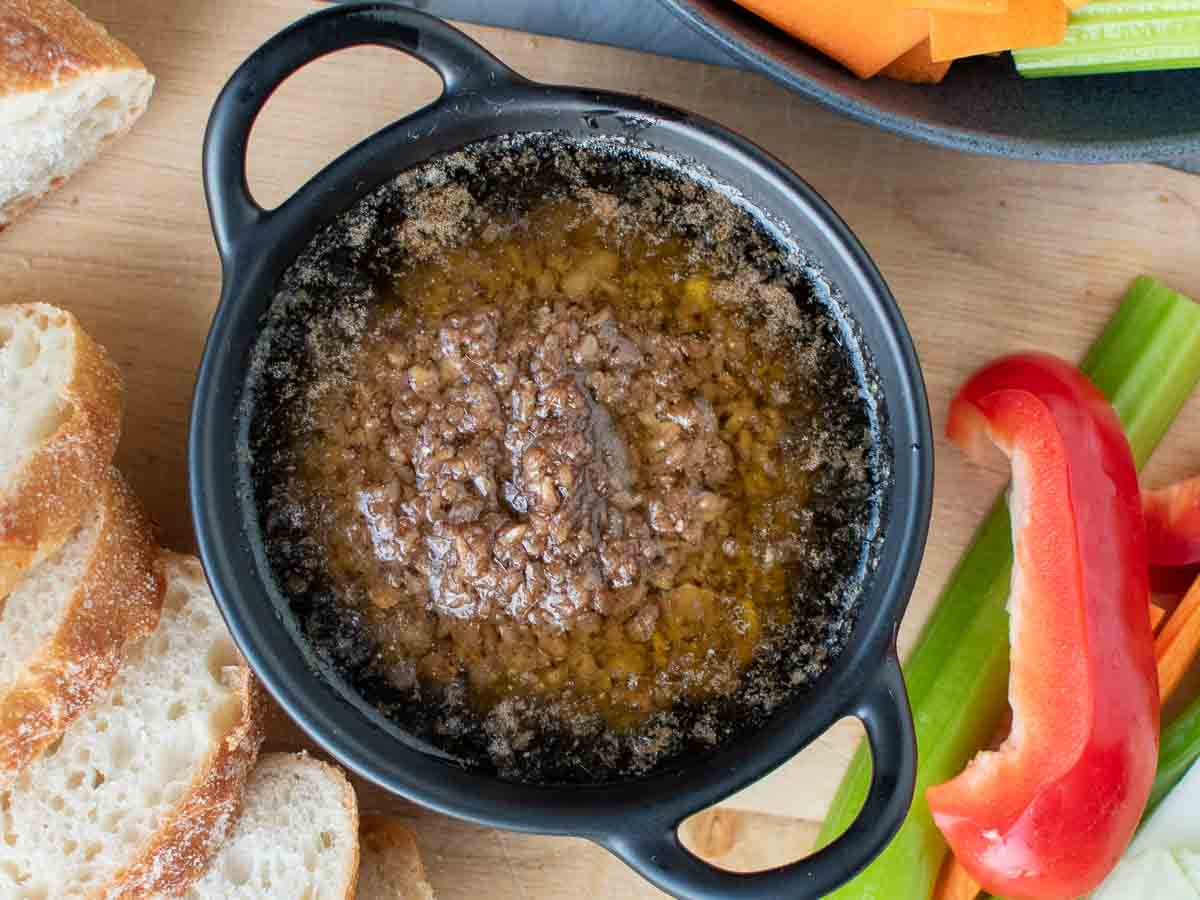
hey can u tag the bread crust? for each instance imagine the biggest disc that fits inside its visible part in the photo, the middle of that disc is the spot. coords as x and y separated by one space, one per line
44 44
383 834
59 481
117 601
204 817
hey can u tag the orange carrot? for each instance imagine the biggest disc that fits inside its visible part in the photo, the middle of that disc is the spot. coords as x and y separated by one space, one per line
970 7
864 35
1028 23
955 883
917 67
1176 648
1178 644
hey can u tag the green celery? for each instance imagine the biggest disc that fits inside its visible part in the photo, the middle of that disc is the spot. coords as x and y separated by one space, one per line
1177 752
1146 362
1120 36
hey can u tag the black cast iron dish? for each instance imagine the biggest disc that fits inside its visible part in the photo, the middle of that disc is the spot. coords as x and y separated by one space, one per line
637 818
983 106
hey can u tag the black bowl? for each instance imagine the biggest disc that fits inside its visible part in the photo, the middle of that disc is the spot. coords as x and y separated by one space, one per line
634 818
983 106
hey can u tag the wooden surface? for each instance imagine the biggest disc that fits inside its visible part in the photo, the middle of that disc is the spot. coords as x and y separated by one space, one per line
985 256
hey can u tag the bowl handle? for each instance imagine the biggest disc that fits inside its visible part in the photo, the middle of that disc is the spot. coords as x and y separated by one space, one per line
659 856
463 65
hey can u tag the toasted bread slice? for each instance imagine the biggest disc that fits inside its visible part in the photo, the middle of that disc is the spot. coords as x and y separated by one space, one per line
65 626
60 402
297 836
67 88
146 784
390 865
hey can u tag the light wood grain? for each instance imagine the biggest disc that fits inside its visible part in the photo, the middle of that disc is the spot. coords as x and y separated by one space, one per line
984 256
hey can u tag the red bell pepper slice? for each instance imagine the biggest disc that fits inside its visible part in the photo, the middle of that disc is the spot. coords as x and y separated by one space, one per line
1048 814
1173 524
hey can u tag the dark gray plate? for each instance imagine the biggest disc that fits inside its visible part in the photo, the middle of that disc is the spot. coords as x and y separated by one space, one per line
983 106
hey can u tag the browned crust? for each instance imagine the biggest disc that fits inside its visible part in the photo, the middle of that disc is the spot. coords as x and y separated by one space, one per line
44 43
350 801
116 602
47 41
61 477
182 848
385 835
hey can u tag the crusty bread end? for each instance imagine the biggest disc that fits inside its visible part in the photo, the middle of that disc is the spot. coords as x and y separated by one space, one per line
67 88
115 600
66 391
390 865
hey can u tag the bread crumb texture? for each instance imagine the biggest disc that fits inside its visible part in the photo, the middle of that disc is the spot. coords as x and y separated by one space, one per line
144 786
296 838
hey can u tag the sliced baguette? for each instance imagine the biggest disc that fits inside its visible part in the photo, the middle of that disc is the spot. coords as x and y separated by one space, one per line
297 837
67 88
390 864
146 784
60 402
65 626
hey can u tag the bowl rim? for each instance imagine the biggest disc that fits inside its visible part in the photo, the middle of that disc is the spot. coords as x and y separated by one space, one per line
256 247
969 140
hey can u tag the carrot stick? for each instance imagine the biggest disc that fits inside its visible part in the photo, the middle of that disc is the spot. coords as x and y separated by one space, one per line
971 7
864 35
1176 647
1028 23
1178 644
955 883
916 67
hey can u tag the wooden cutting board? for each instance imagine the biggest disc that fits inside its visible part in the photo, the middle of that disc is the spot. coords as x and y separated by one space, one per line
985 256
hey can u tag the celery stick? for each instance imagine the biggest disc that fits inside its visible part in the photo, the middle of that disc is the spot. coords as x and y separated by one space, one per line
1177 752
1146 362
1120 36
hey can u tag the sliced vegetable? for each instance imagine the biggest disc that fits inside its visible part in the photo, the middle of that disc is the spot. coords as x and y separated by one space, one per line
1118 36
972 7
1027 23
916 67
1175 822
864 36
1173 580
1147 362
1173 523
955 882
1154 875
1049 814
1162 862
1179 643
1178 751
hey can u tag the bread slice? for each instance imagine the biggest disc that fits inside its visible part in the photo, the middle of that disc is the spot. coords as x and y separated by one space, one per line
65 626
297 837
390 865
60 405
67 88
145 785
